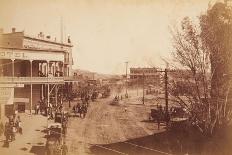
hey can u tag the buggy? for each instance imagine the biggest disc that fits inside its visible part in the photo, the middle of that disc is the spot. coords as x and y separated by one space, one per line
54 141
62 118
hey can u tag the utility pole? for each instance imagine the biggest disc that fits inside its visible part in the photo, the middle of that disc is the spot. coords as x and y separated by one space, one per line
137 80
126 79
166 91
143 86
166 94
93 75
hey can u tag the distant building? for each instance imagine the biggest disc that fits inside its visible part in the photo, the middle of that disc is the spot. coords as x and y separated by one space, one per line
30 67
149 75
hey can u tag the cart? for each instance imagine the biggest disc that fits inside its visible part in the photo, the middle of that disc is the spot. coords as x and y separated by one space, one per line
54 143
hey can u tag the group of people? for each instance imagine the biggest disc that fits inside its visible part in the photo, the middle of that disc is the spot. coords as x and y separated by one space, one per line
117 97
47 109
81 109
41 107
11 128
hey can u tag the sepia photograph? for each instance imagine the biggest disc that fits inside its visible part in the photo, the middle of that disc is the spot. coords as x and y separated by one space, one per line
115 77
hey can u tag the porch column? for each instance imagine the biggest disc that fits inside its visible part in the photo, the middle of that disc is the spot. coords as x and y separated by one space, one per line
63 68
42 92
42 86
31 87
48 83
12 60
56 93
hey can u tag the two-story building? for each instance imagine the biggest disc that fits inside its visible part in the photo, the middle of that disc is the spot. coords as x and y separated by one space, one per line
31 68
138 76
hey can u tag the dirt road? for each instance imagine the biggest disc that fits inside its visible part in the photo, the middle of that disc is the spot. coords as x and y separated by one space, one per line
107 129
32 140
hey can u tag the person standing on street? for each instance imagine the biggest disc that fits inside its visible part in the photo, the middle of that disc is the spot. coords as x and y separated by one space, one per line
7 133
64 149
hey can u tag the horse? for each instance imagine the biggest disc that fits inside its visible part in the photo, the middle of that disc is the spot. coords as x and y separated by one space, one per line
83 110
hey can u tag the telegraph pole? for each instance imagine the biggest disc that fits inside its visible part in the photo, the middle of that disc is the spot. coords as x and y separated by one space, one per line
93 75
166 91
166 94
143 87
126 79
137 81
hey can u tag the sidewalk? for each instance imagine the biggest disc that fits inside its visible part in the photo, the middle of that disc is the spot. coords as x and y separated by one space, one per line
32 140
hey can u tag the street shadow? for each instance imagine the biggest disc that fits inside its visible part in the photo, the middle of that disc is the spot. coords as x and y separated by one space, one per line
178 141
24 149
114 104
44 131
166 142
148 121
6 144
38 150
162 123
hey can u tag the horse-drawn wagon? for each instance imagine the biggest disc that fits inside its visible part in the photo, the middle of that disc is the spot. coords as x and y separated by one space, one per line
174 115
62 118
55 141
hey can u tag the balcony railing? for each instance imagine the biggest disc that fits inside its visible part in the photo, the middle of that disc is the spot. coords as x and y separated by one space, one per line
71 78
33 80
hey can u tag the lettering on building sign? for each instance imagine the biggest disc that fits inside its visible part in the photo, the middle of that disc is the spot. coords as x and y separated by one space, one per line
12 55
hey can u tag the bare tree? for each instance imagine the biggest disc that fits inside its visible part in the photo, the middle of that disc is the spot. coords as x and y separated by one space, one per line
204 52
194 58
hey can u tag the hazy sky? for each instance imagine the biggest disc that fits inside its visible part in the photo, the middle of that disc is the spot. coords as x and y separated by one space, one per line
105 33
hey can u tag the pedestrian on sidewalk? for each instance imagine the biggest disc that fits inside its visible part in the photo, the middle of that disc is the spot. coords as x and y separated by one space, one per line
1 129
69 101
64 149
19 125
7 134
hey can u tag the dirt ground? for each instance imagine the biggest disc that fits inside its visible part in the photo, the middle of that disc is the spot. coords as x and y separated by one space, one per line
108 124
32 140
104 124
109 129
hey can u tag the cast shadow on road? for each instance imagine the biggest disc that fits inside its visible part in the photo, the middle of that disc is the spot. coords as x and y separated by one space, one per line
151 121
167 142
38 150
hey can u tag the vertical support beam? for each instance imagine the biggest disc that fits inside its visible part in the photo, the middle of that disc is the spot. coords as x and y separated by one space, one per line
137 80
42 92
56 94
55 69
166 94
48 84
31 87
126 78
143 86
63 68
13 67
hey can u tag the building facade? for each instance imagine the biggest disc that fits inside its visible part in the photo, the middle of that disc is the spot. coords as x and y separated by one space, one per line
31 69
144 75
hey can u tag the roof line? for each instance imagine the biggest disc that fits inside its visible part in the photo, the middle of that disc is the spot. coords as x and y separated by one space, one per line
25 36
45 50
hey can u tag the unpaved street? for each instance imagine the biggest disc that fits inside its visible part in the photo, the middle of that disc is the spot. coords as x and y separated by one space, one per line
32 140
107 129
